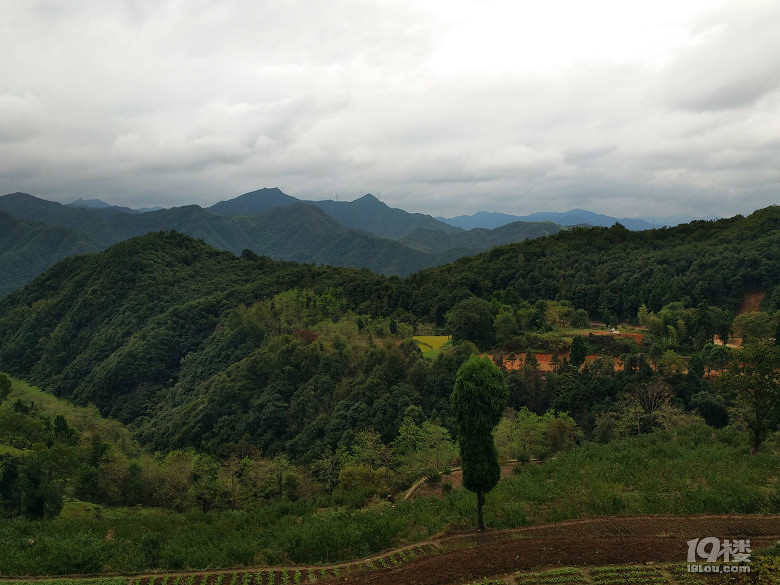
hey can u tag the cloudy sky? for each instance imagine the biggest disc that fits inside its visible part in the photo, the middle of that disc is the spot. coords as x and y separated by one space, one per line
439 106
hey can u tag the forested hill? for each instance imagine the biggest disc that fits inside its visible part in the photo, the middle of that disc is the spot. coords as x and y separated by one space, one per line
612 271
193 345
28 248
196 345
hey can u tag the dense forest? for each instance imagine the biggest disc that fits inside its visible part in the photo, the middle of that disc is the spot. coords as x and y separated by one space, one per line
611 272
246 382
190 344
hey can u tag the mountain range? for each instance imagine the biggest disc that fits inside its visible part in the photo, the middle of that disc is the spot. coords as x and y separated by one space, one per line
364 233
492 220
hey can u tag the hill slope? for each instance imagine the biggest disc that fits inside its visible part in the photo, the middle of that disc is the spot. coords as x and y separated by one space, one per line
477 240
113 328
614 270
156 324
27 249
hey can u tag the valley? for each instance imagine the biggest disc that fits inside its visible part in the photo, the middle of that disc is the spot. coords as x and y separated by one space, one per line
173 407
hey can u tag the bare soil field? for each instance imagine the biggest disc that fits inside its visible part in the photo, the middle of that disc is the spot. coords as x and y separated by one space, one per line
593 542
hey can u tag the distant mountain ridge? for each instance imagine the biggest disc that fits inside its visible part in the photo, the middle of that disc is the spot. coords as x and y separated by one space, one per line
253 202
366 213
90 203
369 214
492 220
364 233
100 204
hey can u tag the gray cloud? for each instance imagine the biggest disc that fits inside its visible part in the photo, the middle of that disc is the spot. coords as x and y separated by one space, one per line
434 107
733 63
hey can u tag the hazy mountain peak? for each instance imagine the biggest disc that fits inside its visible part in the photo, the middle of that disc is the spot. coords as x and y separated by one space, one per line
91 203
253 202
369 199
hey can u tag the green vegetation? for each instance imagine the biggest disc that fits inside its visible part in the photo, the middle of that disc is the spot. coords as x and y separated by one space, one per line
430 345
692 470
611 272
754 377
267 413
562 576
27 249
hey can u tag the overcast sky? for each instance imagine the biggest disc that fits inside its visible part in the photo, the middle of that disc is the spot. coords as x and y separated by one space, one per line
444 107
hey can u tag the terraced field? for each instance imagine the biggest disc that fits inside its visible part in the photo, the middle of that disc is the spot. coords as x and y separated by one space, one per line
626 550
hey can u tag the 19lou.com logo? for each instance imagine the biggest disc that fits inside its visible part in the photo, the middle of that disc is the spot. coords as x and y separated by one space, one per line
713 555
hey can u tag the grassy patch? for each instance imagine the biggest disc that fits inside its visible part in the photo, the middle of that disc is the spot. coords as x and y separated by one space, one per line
430 345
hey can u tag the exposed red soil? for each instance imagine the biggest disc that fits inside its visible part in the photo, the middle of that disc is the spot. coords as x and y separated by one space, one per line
635 336
734 342
546 362
600 541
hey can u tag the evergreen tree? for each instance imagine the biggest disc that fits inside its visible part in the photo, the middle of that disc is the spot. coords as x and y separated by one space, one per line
578 351
478 400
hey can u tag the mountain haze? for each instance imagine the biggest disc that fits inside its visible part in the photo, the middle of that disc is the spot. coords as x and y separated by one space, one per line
268 222
478 239
492 220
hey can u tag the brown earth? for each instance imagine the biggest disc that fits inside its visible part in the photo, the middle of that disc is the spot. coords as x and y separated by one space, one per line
546 362
600 541
635 336
751 302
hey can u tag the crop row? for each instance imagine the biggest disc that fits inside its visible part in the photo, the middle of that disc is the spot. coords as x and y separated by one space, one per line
563 576
627 575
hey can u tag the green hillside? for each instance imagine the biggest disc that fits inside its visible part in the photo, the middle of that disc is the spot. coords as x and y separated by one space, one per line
192 344
27 249
255 391
611 272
